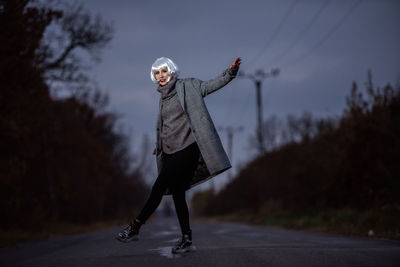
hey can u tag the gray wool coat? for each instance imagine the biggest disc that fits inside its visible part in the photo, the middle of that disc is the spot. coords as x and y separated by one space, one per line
212 159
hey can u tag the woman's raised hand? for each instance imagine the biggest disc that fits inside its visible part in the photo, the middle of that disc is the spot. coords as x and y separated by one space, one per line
236 63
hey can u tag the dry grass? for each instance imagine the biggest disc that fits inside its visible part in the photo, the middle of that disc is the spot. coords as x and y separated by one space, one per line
11 237
348 222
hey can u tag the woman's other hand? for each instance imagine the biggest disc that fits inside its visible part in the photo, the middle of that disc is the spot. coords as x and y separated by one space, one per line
155 151
236 64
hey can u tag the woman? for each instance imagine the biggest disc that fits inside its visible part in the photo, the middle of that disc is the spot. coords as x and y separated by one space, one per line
189 150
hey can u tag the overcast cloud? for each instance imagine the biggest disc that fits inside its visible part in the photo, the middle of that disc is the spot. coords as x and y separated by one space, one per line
204 37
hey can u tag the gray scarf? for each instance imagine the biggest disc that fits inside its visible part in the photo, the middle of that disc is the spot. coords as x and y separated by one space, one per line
167 91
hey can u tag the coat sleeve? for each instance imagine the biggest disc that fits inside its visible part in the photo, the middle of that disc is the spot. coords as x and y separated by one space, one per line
207 87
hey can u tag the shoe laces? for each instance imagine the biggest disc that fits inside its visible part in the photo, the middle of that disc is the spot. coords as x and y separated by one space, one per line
183 240
131 227
126 231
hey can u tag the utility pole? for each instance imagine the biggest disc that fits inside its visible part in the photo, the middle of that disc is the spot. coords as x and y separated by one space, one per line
230 132
258 78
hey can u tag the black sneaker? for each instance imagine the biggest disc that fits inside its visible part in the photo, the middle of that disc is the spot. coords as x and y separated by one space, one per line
129 234
184 245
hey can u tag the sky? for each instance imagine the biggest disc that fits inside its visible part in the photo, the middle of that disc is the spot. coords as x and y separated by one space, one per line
320 47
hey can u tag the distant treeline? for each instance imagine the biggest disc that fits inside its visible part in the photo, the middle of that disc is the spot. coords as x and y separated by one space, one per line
347 162
61 159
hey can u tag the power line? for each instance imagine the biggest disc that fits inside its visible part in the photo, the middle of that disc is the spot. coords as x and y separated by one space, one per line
272 37
330 32
275 33
301 34
258 78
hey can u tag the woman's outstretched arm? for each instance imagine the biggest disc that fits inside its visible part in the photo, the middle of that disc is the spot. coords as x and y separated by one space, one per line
208 87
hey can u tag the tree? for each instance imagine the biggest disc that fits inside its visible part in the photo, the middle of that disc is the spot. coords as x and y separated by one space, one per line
60 159
61 51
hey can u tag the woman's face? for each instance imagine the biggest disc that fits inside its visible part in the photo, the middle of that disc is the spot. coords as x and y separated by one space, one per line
161 76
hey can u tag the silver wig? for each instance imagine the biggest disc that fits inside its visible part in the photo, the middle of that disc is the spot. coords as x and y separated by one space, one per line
161 63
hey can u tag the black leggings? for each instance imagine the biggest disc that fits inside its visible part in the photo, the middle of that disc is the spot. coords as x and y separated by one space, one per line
176 173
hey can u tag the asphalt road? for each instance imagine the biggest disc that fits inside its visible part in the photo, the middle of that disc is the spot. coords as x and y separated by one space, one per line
217 244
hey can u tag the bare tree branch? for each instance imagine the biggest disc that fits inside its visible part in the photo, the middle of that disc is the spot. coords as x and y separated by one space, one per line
76 30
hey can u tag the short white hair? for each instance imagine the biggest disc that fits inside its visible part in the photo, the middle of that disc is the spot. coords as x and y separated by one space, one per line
163 62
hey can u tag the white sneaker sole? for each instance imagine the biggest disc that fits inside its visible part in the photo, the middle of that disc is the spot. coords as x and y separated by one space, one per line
185 250
127 240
